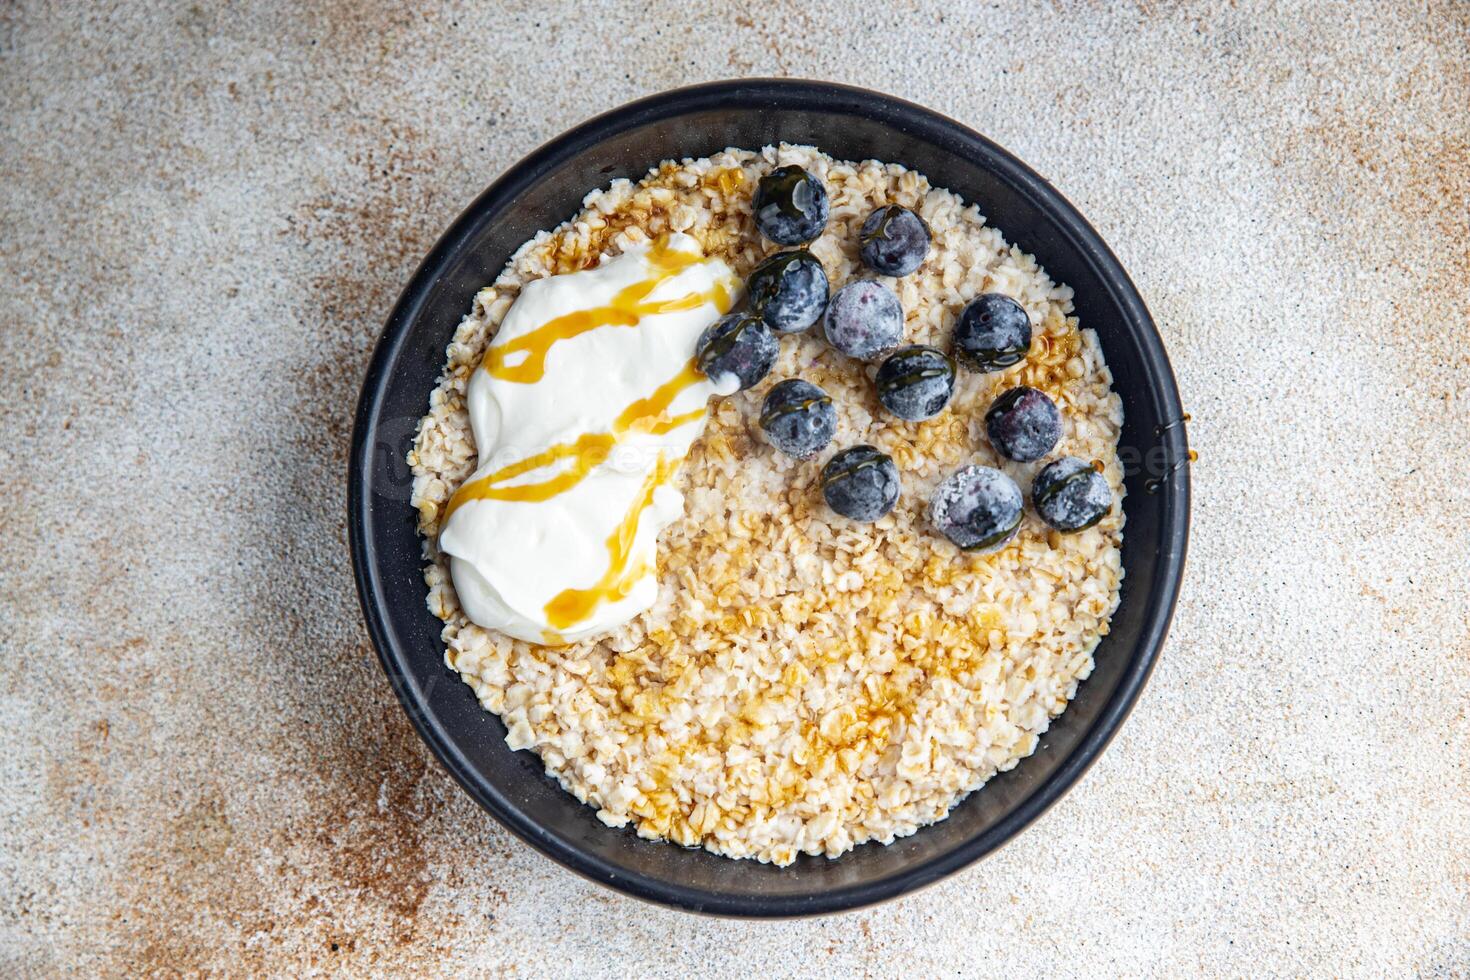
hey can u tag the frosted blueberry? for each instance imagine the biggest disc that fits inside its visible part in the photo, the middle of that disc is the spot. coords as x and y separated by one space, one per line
864 320
992 333
1023 424
978 508
915 382
860 483
1070 495
788 290
893 241
790 206
798 418
737 345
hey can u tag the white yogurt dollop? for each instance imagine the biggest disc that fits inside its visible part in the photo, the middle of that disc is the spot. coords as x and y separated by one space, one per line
586 403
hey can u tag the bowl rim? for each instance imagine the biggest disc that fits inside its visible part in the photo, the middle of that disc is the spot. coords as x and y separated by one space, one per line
777 93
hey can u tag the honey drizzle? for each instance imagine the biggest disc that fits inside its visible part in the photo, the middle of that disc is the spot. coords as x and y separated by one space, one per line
648 415
627 308
572 606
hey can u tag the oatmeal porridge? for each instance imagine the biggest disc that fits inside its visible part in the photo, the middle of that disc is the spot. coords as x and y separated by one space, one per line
797 576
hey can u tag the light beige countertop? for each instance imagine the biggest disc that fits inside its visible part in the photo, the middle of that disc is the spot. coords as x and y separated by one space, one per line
206 212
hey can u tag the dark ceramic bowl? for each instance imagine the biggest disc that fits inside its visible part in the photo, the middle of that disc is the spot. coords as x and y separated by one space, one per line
545 189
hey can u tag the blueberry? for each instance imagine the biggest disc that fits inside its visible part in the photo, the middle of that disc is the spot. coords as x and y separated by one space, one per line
1070 495
788 290
978 508
864 320
798 418
993 333
1023 424
740 345
894 241
916 382
790 206
860 483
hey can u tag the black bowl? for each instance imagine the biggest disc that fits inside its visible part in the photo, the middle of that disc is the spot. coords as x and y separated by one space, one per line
545 189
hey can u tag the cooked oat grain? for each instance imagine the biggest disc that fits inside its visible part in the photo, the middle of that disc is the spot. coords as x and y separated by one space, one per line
804 683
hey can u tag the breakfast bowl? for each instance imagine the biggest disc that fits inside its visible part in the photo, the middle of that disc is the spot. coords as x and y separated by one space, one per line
545 189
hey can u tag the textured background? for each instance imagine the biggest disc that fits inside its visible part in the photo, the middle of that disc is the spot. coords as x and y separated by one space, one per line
205 214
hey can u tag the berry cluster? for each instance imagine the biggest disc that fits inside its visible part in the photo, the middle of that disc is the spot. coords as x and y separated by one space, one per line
977 507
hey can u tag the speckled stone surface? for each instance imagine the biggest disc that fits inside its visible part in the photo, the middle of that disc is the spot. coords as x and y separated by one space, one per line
206 213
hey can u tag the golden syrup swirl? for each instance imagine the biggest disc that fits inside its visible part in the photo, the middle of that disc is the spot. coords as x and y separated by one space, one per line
629 306
572 606
646 415
523 360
